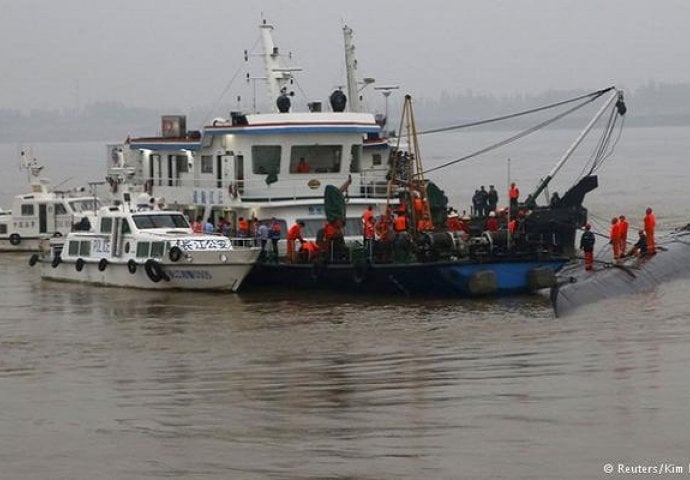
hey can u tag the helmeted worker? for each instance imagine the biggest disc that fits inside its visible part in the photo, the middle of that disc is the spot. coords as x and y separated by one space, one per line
649 226
491 224
623 230
295 233
587 246
513 194
615 238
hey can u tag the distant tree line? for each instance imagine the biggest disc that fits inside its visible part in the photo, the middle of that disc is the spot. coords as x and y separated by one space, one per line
650 105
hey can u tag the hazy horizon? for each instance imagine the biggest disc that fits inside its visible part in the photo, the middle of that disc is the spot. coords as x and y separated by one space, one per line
72 53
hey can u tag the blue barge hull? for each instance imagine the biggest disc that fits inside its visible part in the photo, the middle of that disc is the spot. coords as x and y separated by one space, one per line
443 278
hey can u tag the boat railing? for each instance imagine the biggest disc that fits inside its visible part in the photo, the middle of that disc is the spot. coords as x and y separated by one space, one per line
202 191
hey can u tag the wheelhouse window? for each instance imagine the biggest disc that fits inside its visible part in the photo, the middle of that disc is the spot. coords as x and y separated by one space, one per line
315 158
84 204
73 248
60 209
206 164
106 225
355 159
174 220
27 209
85 248
266 159
376 159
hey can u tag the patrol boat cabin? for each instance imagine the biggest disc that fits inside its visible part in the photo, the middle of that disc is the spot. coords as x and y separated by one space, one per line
136 246
42 212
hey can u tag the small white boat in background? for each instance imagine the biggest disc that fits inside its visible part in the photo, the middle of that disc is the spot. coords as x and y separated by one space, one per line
43 212
140 247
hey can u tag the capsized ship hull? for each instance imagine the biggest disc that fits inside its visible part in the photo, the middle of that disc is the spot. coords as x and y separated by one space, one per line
577 287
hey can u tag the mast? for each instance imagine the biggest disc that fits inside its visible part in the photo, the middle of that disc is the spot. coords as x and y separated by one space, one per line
277 77
351 70
531 199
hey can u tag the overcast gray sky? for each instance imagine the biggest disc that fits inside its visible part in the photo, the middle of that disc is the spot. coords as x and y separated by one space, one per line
182 53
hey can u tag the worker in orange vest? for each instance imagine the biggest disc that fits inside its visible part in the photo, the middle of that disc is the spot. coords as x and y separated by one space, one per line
310 249
425 224
243 227
623 230
295 233
615 238
400 224
513 194
649 226
368 213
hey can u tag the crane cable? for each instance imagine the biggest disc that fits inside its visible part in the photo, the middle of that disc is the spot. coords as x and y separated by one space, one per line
524 133
592 96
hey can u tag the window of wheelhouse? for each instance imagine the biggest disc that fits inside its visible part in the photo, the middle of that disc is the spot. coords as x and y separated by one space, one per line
106 225
356 159
376 159
27 209
157 164
318 158
206 164
266 159
60 209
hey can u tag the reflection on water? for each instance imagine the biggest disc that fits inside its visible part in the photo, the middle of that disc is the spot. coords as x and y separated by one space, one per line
116 383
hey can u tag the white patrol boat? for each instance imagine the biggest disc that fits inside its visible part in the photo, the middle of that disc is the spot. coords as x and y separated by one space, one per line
142 247
265 165
42 212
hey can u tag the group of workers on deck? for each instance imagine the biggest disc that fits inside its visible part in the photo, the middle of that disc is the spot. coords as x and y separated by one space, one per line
618 239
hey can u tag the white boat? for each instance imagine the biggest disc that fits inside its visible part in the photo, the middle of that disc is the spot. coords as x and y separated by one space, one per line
130 246
249 165
42 212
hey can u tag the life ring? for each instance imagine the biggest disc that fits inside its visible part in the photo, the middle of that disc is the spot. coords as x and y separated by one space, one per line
15 239
132 266
56 261
79 264
359 272
33 259
153 270
102 264
175 254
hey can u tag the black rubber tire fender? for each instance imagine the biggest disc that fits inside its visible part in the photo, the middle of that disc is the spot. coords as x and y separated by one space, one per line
102 264
175 254
79 264
153 270
132 266
15 239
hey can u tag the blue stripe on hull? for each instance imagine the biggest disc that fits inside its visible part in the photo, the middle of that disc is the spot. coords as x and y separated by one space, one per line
453 279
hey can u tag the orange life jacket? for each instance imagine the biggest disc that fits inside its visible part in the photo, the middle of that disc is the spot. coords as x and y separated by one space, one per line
295 232
513 193
400 224
649 221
